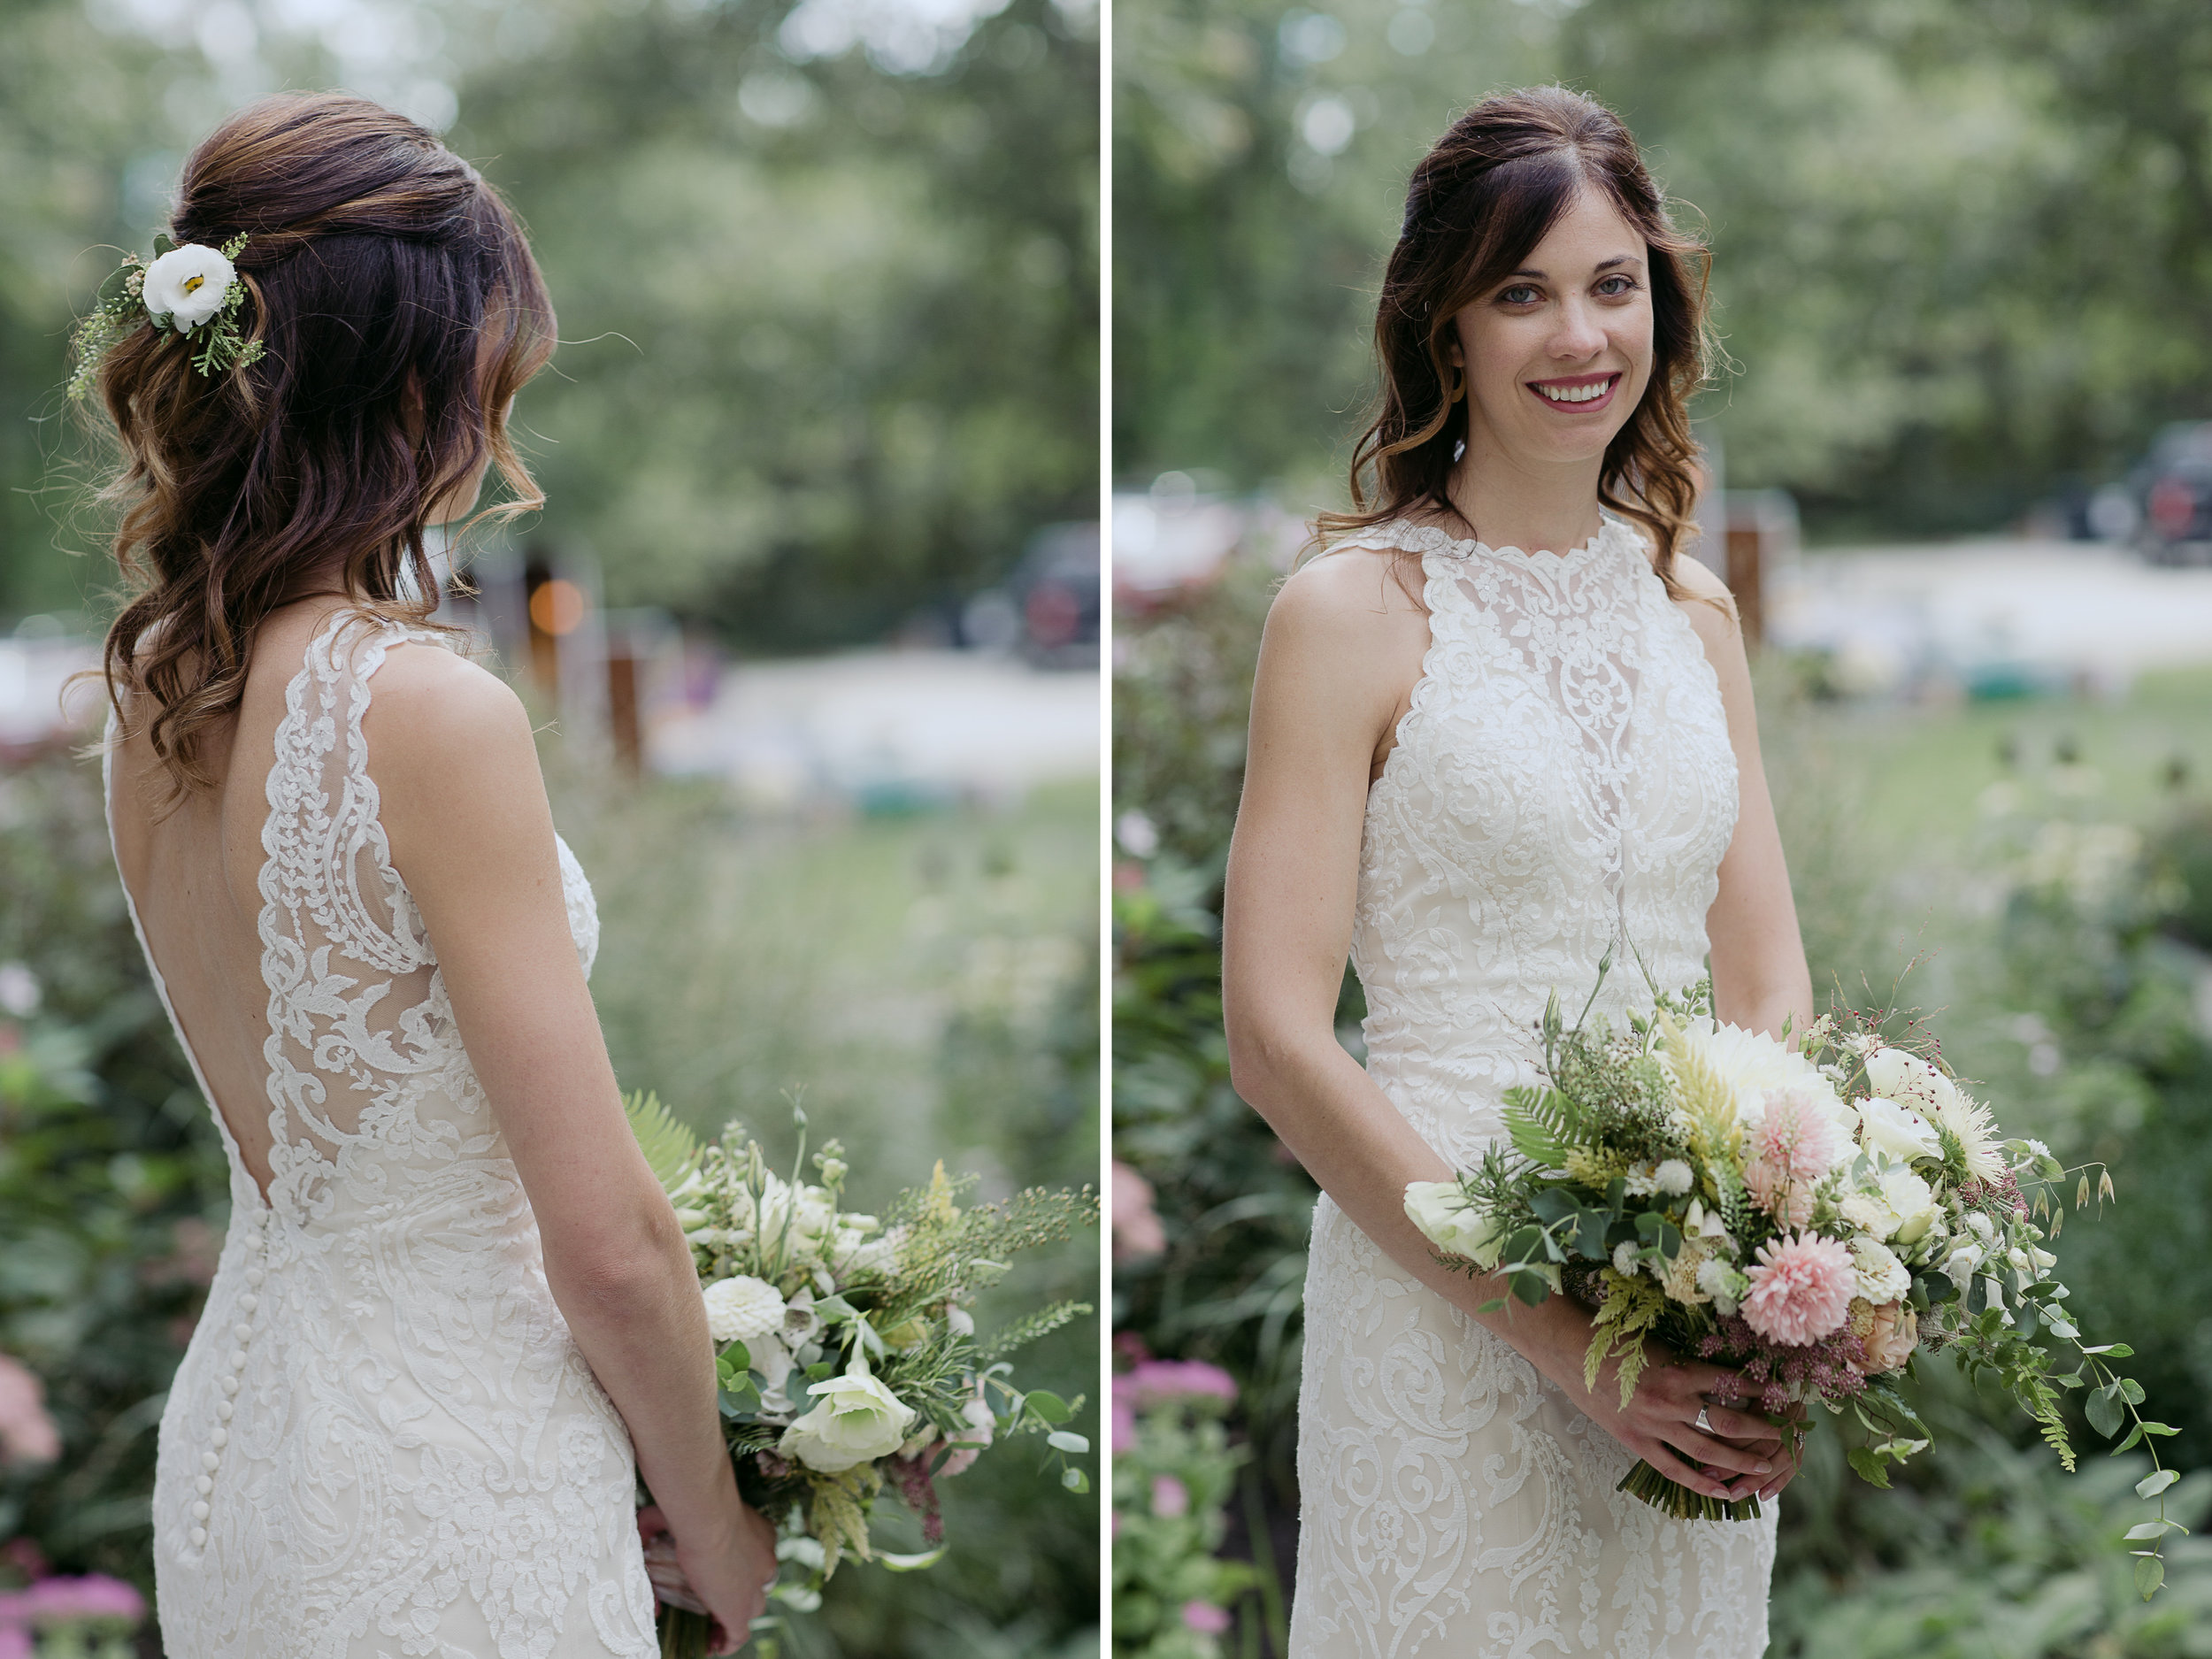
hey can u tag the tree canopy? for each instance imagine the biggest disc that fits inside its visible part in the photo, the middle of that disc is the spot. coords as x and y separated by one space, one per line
830 326
1963 247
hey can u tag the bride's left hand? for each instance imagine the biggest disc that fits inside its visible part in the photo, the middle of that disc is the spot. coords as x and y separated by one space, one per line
1771 1442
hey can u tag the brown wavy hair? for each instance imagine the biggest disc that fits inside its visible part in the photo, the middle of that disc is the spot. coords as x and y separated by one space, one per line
400 311
1488 192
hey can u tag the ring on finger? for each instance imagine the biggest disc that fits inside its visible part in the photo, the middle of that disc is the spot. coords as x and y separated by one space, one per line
1704 1425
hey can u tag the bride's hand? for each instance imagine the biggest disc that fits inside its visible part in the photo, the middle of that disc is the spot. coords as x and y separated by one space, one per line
727 1580
1745 1454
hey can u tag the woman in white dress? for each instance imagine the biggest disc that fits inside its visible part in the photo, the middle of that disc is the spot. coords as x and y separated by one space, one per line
1502 728
452 1298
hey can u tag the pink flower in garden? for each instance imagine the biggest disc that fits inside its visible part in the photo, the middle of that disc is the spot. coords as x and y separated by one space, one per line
1123 1417
1137 1229
1156 1379
1801 1288
27 1433
1170 1497
1205 1618
15 1643
96 1596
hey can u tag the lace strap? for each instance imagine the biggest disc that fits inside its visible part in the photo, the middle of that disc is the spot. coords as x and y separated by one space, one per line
323 823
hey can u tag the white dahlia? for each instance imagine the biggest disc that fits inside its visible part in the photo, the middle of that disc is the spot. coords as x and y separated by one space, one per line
1751 1065
741 1309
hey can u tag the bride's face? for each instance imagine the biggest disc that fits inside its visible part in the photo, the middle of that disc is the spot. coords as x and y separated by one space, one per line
1557 356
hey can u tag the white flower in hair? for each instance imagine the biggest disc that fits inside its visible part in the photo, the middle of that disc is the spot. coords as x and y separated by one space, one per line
187 285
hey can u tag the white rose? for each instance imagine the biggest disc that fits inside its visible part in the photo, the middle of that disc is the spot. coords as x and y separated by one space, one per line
1913 1202
1439 1209
1960 1265
741 1309
857 1421
1894 1073
1673 1178
186 285
1892 1129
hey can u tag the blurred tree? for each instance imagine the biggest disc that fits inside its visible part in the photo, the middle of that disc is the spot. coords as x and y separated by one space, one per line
1963 250
834 324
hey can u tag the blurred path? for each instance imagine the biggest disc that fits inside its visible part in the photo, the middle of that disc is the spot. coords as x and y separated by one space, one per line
878 725
1976 610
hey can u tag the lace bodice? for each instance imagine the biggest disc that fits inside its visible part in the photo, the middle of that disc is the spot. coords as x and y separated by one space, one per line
382 1439
1561 786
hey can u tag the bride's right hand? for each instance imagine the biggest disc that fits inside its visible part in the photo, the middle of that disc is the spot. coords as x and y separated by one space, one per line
726 1578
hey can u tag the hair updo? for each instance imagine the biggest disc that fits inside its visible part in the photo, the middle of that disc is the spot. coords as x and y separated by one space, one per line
1479 204
399 310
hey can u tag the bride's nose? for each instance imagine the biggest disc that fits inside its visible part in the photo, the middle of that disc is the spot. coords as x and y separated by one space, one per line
1579 334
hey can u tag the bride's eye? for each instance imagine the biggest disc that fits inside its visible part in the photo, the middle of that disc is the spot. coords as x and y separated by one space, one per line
1518 294
1613 286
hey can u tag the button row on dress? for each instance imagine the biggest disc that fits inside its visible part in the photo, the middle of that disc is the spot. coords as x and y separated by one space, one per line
218 1436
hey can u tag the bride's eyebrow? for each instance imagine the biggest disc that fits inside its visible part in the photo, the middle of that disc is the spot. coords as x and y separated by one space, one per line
1602 264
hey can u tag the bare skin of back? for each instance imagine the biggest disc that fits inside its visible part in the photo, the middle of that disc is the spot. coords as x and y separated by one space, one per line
464 807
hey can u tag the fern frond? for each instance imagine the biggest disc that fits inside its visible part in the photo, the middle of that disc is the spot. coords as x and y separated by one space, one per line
1632 1306
2054 1436
671 1150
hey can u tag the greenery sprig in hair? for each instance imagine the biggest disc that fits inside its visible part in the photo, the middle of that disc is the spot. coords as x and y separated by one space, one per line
186 289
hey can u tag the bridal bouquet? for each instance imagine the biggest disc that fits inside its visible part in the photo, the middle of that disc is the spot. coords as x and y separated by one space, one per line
847 1355
1812 1215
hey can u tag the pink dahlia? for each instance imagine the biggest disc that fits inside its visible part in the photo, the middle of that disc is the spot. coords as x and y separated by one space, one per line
1801 1288
1795 1138
1788 1202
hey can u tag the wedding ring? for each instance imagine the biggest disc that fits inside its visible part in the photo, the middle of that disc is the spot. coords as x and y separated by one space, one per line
1704 1423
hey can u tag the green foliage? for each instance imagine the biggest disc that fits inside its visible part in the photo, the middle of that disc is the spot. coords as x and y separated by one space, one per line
1172 1490
1914 208
831 331
113 1189
672 1151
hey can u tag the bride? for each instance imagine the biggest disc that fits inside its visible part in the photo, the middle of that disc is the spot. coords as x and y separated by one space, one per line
452 1298
1502 728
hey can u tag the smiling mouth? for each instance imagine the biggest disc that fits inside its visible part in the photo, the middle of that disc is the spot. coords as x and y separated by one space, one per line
1576 394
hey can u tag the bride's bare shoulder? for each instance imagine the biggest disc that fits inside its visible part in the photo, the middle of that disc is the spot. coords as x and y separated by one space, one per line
1355 587
431 707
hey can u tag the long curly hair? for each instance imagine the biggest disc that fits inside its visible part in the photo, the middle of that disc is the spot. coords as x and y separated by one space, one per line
400 311
1480 202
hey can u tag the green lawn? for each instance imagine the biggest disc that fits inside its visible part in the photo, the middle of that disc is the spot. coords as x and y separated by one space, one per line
1920 777
836 960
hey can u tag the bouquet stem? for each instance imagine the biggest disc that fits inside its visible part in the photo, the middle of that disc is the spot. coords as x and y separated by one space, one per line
1671 1498
684 1635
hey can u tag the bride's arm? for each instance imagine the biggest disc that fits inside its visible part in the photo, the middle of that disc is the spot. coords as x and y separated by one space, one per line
1340 651
464 806
1759 974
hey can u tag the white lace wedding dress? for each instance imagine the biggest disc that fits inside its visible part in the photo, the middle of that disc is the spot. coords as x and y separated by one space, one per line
382 1440
1563 784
